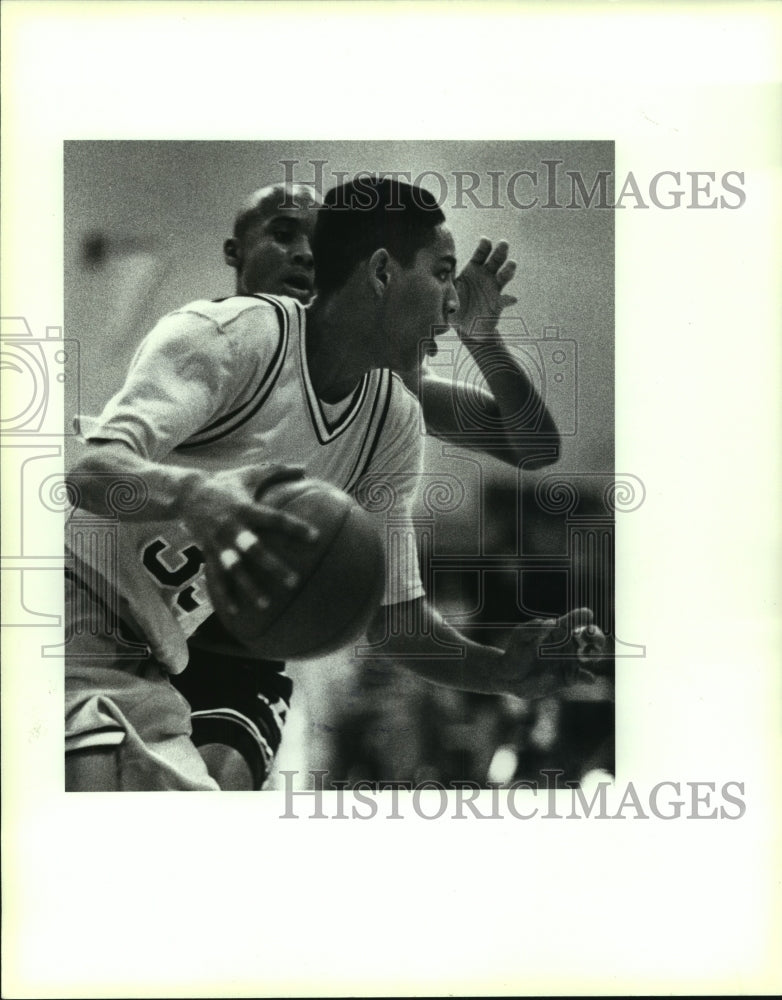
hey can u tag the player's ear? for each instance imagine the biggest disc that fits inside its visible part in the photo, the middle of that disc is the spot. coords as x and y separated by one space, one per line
378 272
232 252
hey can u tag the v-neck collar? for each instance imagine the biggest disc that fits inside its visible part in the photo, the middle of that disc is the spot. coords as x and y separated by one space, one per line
325 428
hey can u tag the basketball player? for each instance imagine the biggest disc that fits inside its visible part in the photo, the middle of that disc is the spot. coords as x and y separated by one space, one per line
215 391
240 709
271 252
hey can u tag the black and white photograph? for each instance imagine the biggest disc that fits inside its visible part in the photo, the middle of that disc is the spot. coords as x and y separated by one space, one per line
389 439
482 456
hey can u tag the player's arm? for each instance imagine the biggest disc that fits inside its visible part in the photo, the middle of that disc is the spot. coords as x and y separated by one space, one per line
412 634
406 630
220 510
533 442
171 393
511 402
170 493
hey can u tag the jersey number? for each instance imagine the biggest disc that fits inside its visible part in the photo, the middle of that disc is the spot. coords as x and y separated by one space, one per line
191 560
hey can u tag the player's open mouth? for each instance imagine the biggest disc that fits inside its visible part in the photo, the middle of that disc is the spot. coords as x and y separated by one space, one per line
298 285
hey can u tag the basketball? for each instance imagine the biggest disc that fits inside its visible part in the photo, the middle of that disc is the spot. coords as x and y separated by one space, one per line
341 577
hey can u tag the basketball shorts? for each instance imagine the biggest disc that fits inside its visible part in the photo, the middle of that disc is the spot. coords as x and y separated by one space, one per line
120 700
236 700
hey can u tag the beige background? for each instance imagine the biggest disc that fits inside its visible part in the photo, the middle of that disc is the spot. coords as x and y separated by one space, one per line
216 896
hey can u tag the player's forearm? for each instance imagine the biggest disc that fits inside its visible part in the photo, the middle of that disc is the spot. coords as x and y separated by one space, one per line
106 476
413 635
521 409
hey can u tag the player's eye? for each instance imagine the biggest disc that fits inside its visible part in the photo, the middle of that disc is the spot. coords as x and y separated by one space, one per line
282 235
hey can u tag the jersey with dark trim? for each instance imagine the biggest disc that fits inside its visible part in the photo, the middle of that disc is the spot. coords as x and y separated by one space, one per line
222 385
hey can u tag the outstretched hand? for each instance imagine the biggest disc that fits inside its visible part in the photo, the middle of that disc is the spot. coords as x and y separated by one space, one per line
232 524
532 671
480 290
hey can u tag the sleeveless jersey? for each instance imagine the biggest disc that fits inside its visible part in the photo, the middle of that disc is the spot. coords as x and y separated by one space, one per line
221 385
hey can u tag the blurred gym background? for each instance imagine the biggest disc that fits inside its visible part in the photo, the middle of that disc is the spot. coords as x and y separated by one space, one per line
144 227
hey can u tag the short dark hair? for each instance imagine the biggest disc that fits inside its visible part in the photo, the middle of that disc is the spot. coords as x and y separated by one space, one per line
365 214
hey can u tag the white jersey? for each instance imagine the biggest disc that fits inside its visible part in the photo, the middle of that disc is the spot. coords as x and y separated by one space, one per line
220 385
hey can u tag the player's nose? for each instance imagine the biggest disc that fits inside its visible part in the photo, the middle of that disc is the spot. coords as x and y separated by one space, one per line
451 303
301 253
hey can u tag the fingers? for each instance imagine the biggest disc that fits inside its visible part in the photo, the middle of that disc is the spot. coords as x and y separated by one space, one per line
543 663
250 574
588 636
265 565
506 272
494 259
218 589
580 617
242 582
584 639
482 251
268 519
591 647
221 563
260 479
507 300
497 257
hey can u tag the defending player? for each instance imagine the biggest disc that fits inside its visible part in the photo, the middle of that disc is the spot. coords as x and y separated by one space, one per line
207 401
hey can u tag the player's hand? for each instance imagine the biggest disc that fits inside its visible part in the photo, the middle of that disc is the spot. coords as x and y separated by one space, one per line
480 289
234 528
532 671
